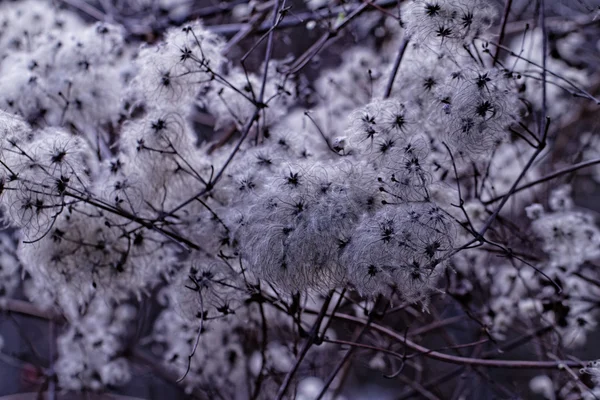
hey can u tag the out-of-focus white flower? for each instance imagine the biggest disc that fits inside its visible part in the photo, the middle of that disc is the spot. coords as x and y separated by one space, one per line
543 386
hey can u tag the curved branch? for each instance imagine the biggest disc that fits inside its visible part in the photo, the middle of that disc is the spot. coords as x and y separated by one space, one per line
448 358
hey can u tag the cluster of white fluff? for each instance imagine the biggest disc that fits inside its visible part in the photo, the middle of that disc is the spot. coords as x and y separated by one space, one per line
205 288
71 79
170 74
102 172
62 73
23 25
293 236
477 106
107 258
520 294
90 351
233 102
48 182
300 224
78 195
447 24
316 225
399 250
40 167
220 362
569 237
561 296
230 354
158 168
383 180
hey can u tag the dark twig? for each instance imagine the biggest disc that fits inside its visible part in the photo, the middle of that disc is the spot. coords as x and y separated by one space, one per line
510 364
312 337
507 8
397 61
349 353
548 177
313 50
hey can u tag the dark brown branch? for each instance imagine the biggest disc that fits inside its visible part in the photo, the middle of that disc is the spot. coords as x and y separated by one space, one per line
548 177
482 362
507 8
